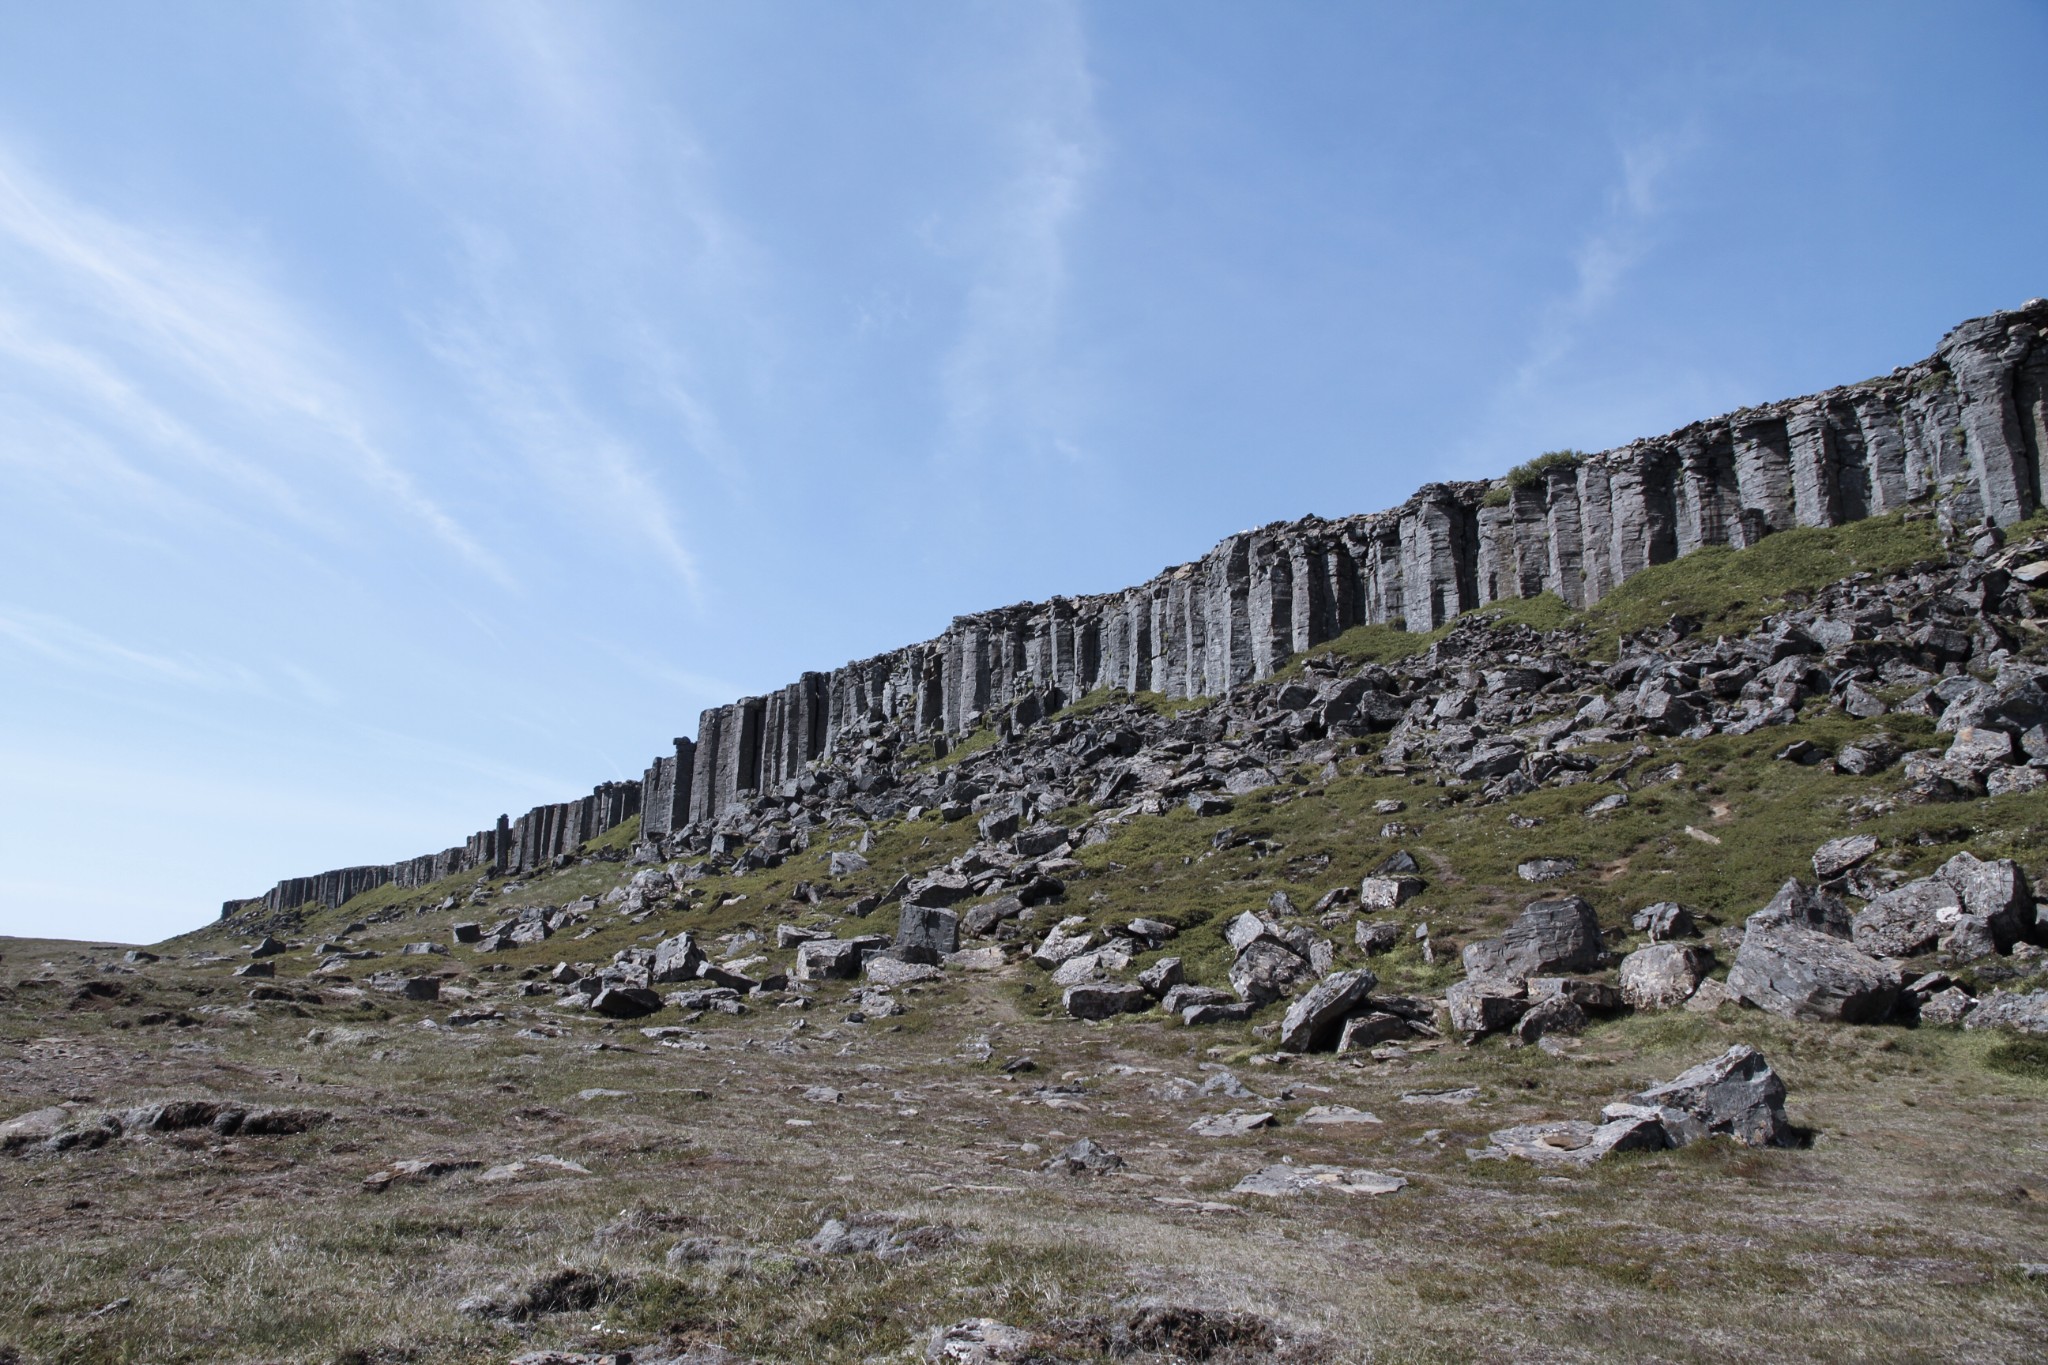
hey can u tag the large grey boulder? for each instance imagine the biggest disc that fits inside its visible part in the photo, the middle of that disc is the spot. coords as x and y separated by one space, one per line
1247 929
1482 1005
677 959
1995 889
625 1002
1103 999
926 934
1069 938
1574 1142
2015 708
1662 976
1314 1021
1735 1095
1796 905
1386 893
1906 921
1265 971
1185 997
1837 856
1801 973
828 959
2020 1011
1548 936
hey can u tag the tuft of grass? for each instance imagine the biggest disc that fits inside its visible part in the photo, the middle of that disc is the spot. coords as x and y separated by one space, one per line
1533 471
1729 590
2027 1057
619 838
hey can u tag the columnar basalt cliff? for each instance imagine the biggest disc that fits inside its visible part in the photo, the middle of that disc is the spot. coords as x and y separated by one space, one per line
1965 430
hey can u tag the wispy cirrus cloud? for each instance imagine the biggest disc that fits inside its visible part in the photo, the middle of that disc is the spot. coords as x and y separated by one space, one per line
627 254
1003 373
116 312
1539 401
74 646
1614 246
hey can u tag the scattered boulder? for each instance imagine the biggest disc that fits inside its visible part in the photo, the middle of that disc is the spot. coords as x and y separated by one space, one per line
1546 869
1907 921
1374 937
1735 1095
831 959
1801 973
2020 1011
1664 921
1285 1178
1085 1157
1574 1142
1387 893
1548 936
1837 856
1795 905
1314 1021
1162 976
1104 1000
926 934
1479 1006
1265 971
1236 1123
1662 976
625 1002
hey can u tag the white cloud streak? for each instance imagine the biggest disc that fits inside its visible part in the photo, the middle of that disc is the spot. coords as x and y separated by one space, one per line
1003 370
1614 247
166 303
63 642
524 94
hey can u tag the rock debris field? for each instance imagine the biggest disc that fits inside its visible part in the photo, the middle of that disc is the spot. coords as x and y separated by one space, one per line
1654 979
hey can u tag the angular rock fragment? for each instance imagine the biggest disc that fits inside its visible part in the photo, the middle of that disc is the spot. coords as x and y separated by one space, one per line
1103 1000
1662 976
1735 1095
1386 893
1907 921
1162 976
1236 1123
1265 971
1283 1179
1085 1157
2020 1011
1801 973
1314 1021
625 1002
1837 856
926 934
1574 1142
1479 1006
1548 936
1664 920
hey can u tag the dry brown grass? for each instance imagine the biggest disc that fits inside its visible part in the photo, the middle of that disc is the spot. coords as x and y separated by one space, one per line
1895 1237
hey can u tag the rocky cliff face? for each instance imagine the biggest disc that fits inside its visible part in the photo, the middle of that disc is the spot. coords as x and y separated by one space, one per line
1966 429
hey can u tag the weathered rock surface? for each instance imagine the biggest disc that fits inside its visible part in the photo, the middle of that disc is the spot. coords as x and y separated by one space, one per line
1735 1095
1802 973
1662 976
1266 595
1548 936
1313 1022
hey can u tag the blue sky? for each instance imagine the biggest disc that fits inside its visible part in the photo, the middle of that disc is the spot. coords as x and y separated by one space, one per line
412 412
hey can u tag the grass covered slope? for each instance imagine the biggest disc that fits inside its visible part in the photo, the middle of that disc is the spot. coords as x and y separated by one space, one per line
705 1155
